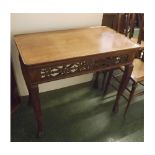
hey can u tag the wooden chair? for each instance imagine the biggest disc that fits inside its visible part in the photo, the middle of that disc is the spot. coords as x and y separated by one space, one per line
118 22
137 76
122 23
140 38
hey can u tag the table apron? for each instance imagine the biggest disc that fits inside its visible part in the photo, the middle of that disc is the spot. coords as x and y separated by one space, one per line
69 68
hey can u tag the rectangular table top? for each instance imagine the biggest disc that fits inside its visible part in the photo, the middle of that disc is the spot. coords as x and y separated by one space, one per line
44 47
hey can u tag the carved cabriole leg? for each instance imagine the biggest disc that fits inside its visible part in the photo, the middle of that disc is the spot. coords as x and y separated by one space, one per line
34 95
134 85
123 84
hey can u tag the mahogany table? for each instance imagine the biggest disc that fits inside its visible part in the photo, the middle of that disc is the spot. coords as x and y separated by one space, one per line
54 55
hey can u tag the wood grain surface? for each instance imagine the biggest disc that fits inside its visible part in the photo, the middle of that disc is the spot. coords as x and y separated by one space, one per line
36 48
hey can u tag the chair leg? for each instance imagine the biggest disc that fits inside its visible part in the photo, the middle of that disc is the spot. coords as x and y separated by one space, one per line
134 85
124 82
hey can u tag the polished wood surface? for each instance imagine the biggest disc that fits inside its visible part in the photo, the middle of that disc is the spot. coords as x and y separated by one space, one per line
50 56
46 47
138 70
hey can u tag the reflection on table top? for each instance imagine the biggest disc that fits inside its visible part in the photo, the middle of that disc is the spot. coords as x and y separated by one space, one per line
51 46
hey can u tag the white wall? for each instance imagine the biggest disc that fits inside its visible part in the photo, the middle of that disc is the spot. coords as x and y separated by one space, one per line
31 22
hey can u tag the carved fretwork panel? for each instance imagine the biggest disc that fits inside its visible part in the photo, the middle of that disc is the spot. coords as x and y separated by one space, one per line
70 68
60 70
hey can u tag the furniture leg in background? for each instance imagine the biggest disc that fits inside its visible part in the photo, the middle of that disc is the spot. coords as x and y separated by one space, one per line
123 84
107 82
134 85
95 80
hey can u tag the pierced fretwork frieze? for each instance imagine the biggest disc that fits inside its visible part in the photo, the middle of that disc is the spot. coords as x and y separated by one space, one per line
80 66
64 69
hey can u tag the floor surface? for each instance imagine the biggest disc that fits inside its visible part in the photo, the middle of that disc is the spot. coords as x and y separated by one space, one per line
80 114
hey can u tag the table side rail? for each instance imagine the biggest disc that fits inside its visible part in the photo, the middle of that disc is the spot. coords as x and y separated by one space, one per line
78 66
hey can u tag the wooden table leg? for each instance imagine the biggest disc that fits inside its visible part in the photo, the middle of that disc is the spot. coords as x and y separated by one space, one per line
95 80
29 98
34 96
105 73
27 81
123 84
107 82
33 99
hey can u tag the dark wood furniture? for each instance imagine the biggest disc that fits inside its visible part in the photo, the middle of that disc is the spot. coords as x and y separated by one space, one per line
140 38
116 21
121 22
49 56
137 76
15 99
